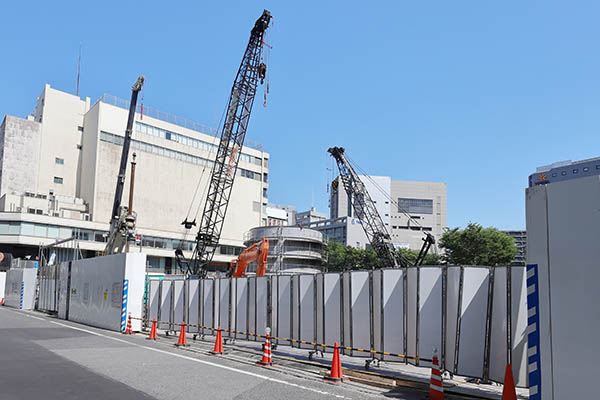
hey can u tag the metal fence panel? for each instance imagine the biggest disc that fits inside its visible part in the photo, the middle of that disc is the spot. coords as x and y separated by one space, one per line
193 306
282 295
223 305
452 306
519 326
262 306
241 305
304 290
164 313
153 299
359 298
430 313
207 316
498 337
411 310
473 321
389 289
178 303
329 319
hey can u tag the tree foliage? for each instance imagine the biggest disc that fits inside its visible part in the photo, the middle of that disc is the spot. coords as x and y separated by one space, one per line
345 258
476 245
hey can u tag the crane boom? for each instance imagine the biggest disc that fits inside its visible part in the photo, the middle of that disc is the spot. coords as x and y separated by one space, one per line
365 210
122 221
251 70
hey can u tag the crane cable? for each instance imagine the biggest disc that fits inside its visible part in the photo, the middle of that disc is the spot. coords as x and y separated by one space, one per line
386 195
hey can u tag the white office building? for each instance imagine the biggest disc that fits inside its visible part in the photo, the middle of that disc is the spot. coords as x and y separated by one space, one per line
407 208
58 172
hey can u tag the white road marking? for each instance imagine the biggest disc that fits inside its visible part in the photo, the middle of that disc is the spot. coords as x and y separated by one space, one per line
189 358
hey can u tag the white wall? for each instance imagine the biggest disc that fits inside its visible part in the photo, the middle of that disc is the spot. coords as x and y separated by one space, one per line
563 226
20 288
97 290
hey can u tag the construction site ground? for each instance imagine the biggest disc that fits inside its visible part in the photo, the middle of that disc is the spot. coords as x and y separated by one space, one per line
44 357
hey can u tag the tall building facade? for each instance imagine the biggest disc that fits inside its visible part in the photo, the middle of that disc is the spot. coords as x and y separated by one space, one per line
58 172
407 208
520 238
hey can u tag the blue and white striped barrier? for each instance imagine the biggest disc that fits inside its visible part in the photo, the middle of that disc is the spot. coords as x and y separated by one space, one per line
22 291
533 334
124 308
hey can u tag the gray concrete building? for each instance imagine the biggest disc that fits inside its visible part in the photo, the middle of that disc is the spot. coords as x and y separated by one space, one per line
291 248
520 238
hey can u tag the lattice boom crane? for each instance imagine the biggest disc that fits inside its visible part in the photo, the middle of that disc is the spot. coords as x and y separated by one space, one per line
371 221
251 70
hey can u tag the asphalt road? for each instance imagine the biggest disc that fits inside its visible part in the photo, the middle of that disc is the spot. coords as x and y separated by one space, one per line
45 358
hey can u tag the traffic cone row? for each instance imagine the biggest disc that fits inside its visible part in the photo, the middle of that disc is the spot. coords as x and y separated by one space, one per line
182 339
218 350
267 358
152 331
436 388
335 374
128 331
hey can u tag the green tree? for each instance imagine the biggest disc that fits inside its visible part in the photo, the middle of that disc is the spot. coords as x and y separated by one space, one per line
430 258
476 245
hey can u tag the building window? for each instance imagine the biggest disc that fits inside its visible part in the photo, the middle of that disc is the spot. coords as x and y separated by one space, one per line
585 169
59 160
265 177
564 173
58 179
417 206
80 128
265 192
554 174
576 170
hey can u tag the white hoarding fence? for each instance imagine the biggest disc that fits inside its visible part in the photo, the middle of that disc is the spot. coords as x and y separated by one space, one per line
391 315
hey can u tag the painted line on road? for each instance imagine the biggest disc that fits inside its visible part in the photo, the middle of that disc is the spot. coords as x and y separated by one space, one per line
191 358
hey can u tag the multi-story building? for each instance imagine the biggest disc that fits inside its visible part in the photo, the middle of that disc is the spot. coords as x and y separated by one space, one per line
304 218
276 216
291 248
407 208
520 238
58 172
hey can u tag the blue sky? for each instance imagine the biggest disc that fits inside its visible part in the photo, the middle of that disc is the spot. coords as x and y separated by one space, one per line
474 94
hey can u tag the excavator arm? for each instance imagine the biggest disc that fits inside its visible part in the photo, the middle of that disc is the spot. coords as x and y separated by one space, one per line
256 252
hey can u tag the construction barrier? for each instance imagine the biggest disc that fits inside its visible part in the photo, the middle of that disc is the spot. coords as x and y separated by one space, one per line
20 288
476 316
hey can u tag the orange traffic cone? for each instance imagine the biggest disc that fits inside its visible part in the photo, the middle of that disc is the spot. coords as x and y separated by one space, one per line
128 331
336 366
182 341
218 350
152 331
436 388
2 301
267 359
509 392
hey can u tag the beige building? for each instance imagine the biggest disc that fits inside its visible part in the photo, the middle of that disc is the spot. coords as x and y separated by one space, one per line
58 168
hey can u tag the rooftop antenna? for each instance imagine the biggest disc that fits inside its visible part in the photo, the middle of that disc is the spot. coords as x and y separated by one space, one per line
78 68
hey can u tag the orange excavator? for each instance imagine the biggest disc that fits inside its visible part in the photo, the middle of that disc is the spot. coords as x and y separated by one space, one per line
256 252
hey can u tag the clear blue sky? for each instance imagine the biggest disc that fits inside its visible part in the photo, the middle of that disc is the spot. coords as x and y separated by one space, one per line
474 94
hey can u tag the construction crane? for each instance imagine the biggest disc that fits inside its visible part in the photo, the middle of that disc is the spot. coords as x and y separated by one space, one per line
251 70
122 219
371 221
257 252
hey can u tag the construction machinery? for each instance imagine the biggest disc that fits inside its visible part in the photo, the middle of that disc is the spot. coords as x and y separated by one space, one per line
371 221
122 220
237 116
257 252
